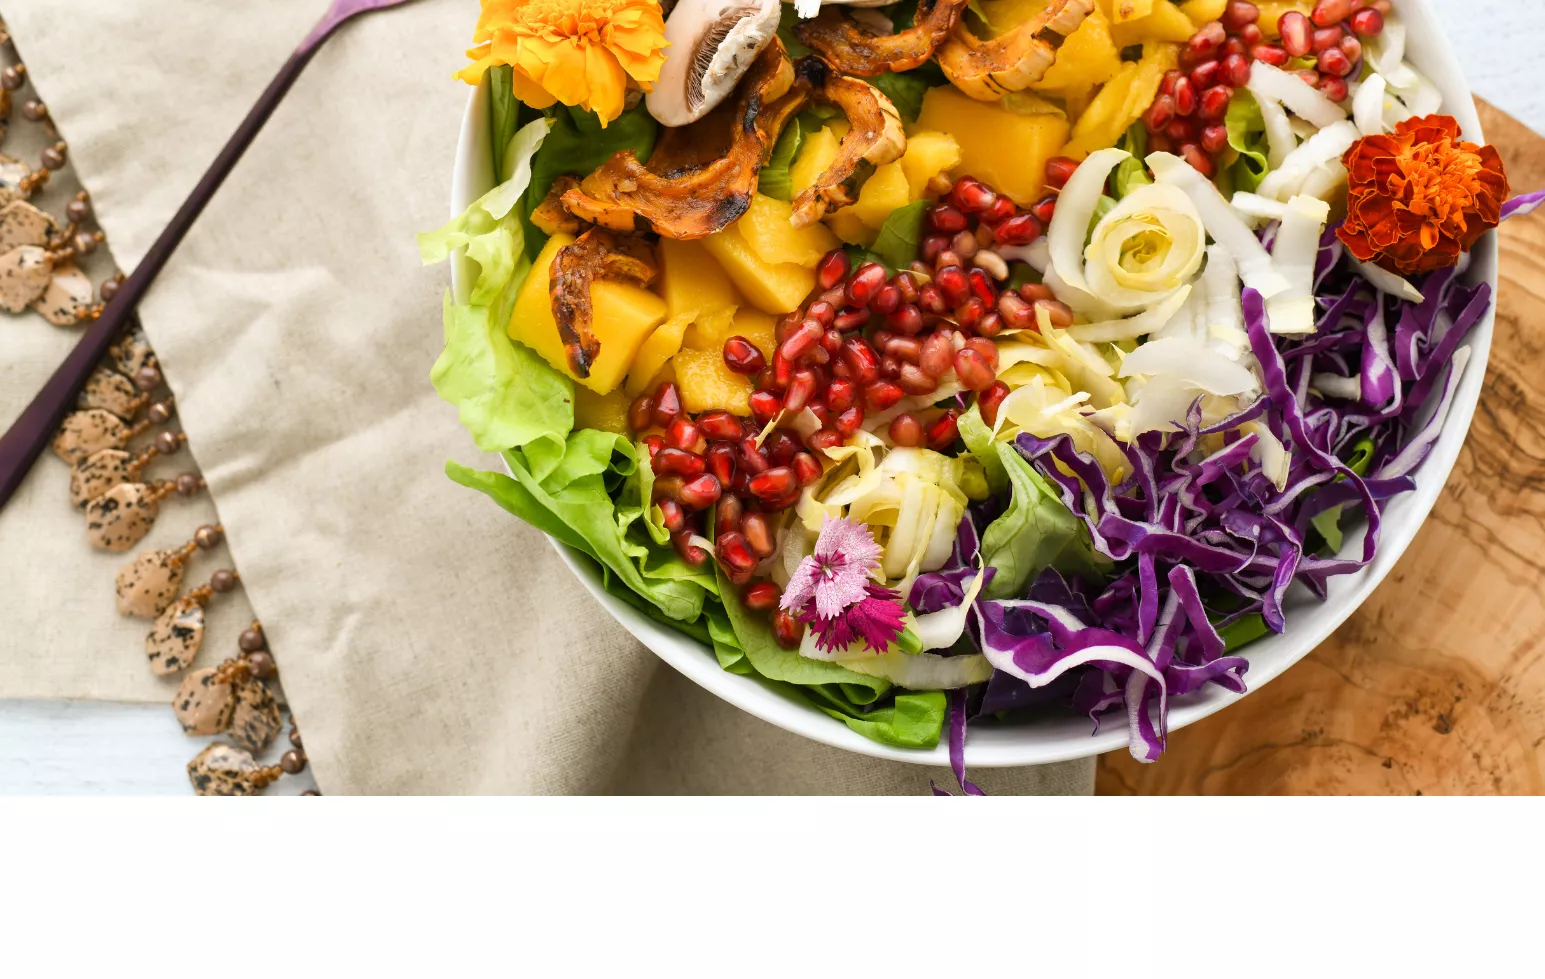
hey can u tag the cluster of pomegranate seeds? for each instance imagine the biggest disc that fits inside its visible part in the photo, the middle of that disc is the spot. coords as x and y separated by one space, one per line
1186 117
864 341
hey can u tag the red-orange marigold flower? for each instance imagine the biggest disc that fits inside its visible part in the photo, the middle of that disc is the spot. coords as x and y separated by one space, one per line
1420 196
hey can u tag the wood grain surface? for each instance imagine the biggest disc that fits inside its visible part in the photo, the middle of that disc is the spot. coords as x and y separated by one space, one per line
1437 684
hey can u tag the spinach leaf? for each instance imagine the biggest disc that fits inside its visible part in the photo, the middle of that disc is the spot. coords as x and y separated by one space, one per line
906 89
899 236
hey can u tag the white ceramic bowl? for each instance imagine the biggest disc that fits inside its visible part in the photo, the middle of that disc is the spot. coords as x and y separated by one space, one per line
1067 736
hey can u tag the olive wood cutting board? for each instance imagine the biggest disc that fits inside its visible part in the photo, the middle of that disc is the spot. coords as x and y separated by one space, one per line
1437 684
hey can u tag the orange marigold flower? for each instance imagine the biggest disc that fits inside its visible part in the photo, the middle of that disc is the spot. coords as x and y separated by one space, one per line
1420 196
578 52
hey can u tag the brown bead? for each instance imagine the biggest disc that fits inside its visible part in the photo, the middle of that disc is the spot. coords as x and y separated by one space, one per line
108 290
34 111
188 484
54 157
260 664
78 210
208 537
223 581
85 244
147 378
294 734
168 443
160 413
293 762
252 640
13 77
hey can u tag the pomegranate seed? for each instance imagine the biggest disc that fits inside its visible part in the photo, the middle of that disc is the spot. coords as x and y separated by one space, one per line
860 360
1207 40
759 534
947 258
822 413
787 629
915 381
943 432
700 493
742 356
1215 102
763 596
982 287
886 300
1199 160
1367 22
672 516
801 340
667 488
1326 38
822 312
735 551
841 395
1309 77
720 426
851 319
1333 88
1334 61
1214 138
1271 54
1160 143
937 354
1235 72
904 349
1180 130
765 406
753 459
890 367
1185 96
989 401
1234 45
1297 33
1060 314
641 413
727 515
946 218
1021 229
931 299
970 313
786 325
684 433
671 461
973 370
1239 13
905 282
906 430
1201 77
931 246
1001 210
836 298
667 404
1059 169
865 283
780 447
1167 86
953 284
654 443
986 348
1352 48
690 552
991 324
1248 37
907 319
1159 113
773 483
1044 209
881 395
1035 291
851 420
833 269
806 469
972 196
1328 12
721 462
822 441
1016 313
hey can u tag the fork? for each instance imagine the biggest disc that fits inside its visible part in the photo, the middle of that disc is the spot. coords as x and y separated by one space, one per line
24 441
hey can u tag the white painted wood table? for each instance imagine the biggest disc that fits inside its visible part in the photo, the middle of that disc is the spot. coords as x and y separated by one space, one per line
58 747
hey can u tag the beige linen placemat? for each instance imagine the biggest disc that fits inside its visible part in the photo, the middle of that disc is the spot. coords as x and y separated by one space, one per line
427 641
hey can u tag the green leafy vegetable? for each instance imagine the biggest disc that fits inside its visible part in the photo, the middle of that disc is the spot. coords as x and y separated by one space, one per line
858 255
1328 522
979 442
1131 172
1244 631
906 89
915 720
578 145
1031 534
503 111
898 240
1247 135
786 23
773 180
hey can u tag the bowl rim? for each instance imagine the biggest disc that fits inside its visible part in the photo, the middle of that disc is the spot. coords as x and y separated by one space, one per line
1029 743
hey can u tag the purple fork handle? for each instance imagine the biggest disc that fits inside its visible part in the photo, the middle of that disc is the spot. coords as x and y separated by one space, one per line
21 445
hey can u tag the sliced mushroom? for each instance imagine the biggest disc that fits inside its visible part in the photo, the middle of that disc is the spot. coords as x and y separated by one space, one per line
550 215
988 70
712 44
694 201
875 137
848 47
596 254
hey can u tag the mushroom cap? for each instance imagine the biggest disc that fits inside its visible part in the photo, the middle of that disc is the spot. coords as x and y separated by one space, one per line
712 44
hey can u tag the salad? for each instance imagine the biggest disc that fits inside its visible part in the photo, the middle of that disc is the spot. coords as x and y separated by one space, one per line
944 362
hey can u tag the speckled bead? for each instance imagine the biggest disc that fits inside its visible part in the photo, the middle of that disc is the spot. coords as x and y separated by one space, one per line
24 275
121 517
12 173
133 352
95 475
66 296
223 769
204 703
84 433
149 583
110 391
256 721
174 641
22 223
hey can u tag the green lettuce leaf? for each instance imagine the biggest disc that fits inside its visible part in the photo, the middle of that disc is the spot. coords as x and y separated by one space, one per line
773 180
898 239
576 146
503 111
979 442
915 719
1247 135
1031 534
1131 173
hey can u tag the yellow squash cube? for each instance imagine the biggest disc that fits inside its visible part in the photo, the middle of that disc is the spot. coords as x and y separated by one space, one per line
607 412
710 330
691 280
657 351
622 318
816 154
884 191
1272 11
772 288
759 328
1165 23
768 227
1004 15
1123 100
1202 11
928 155
1088 56
706 383
851 228
1126 11
1007 150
